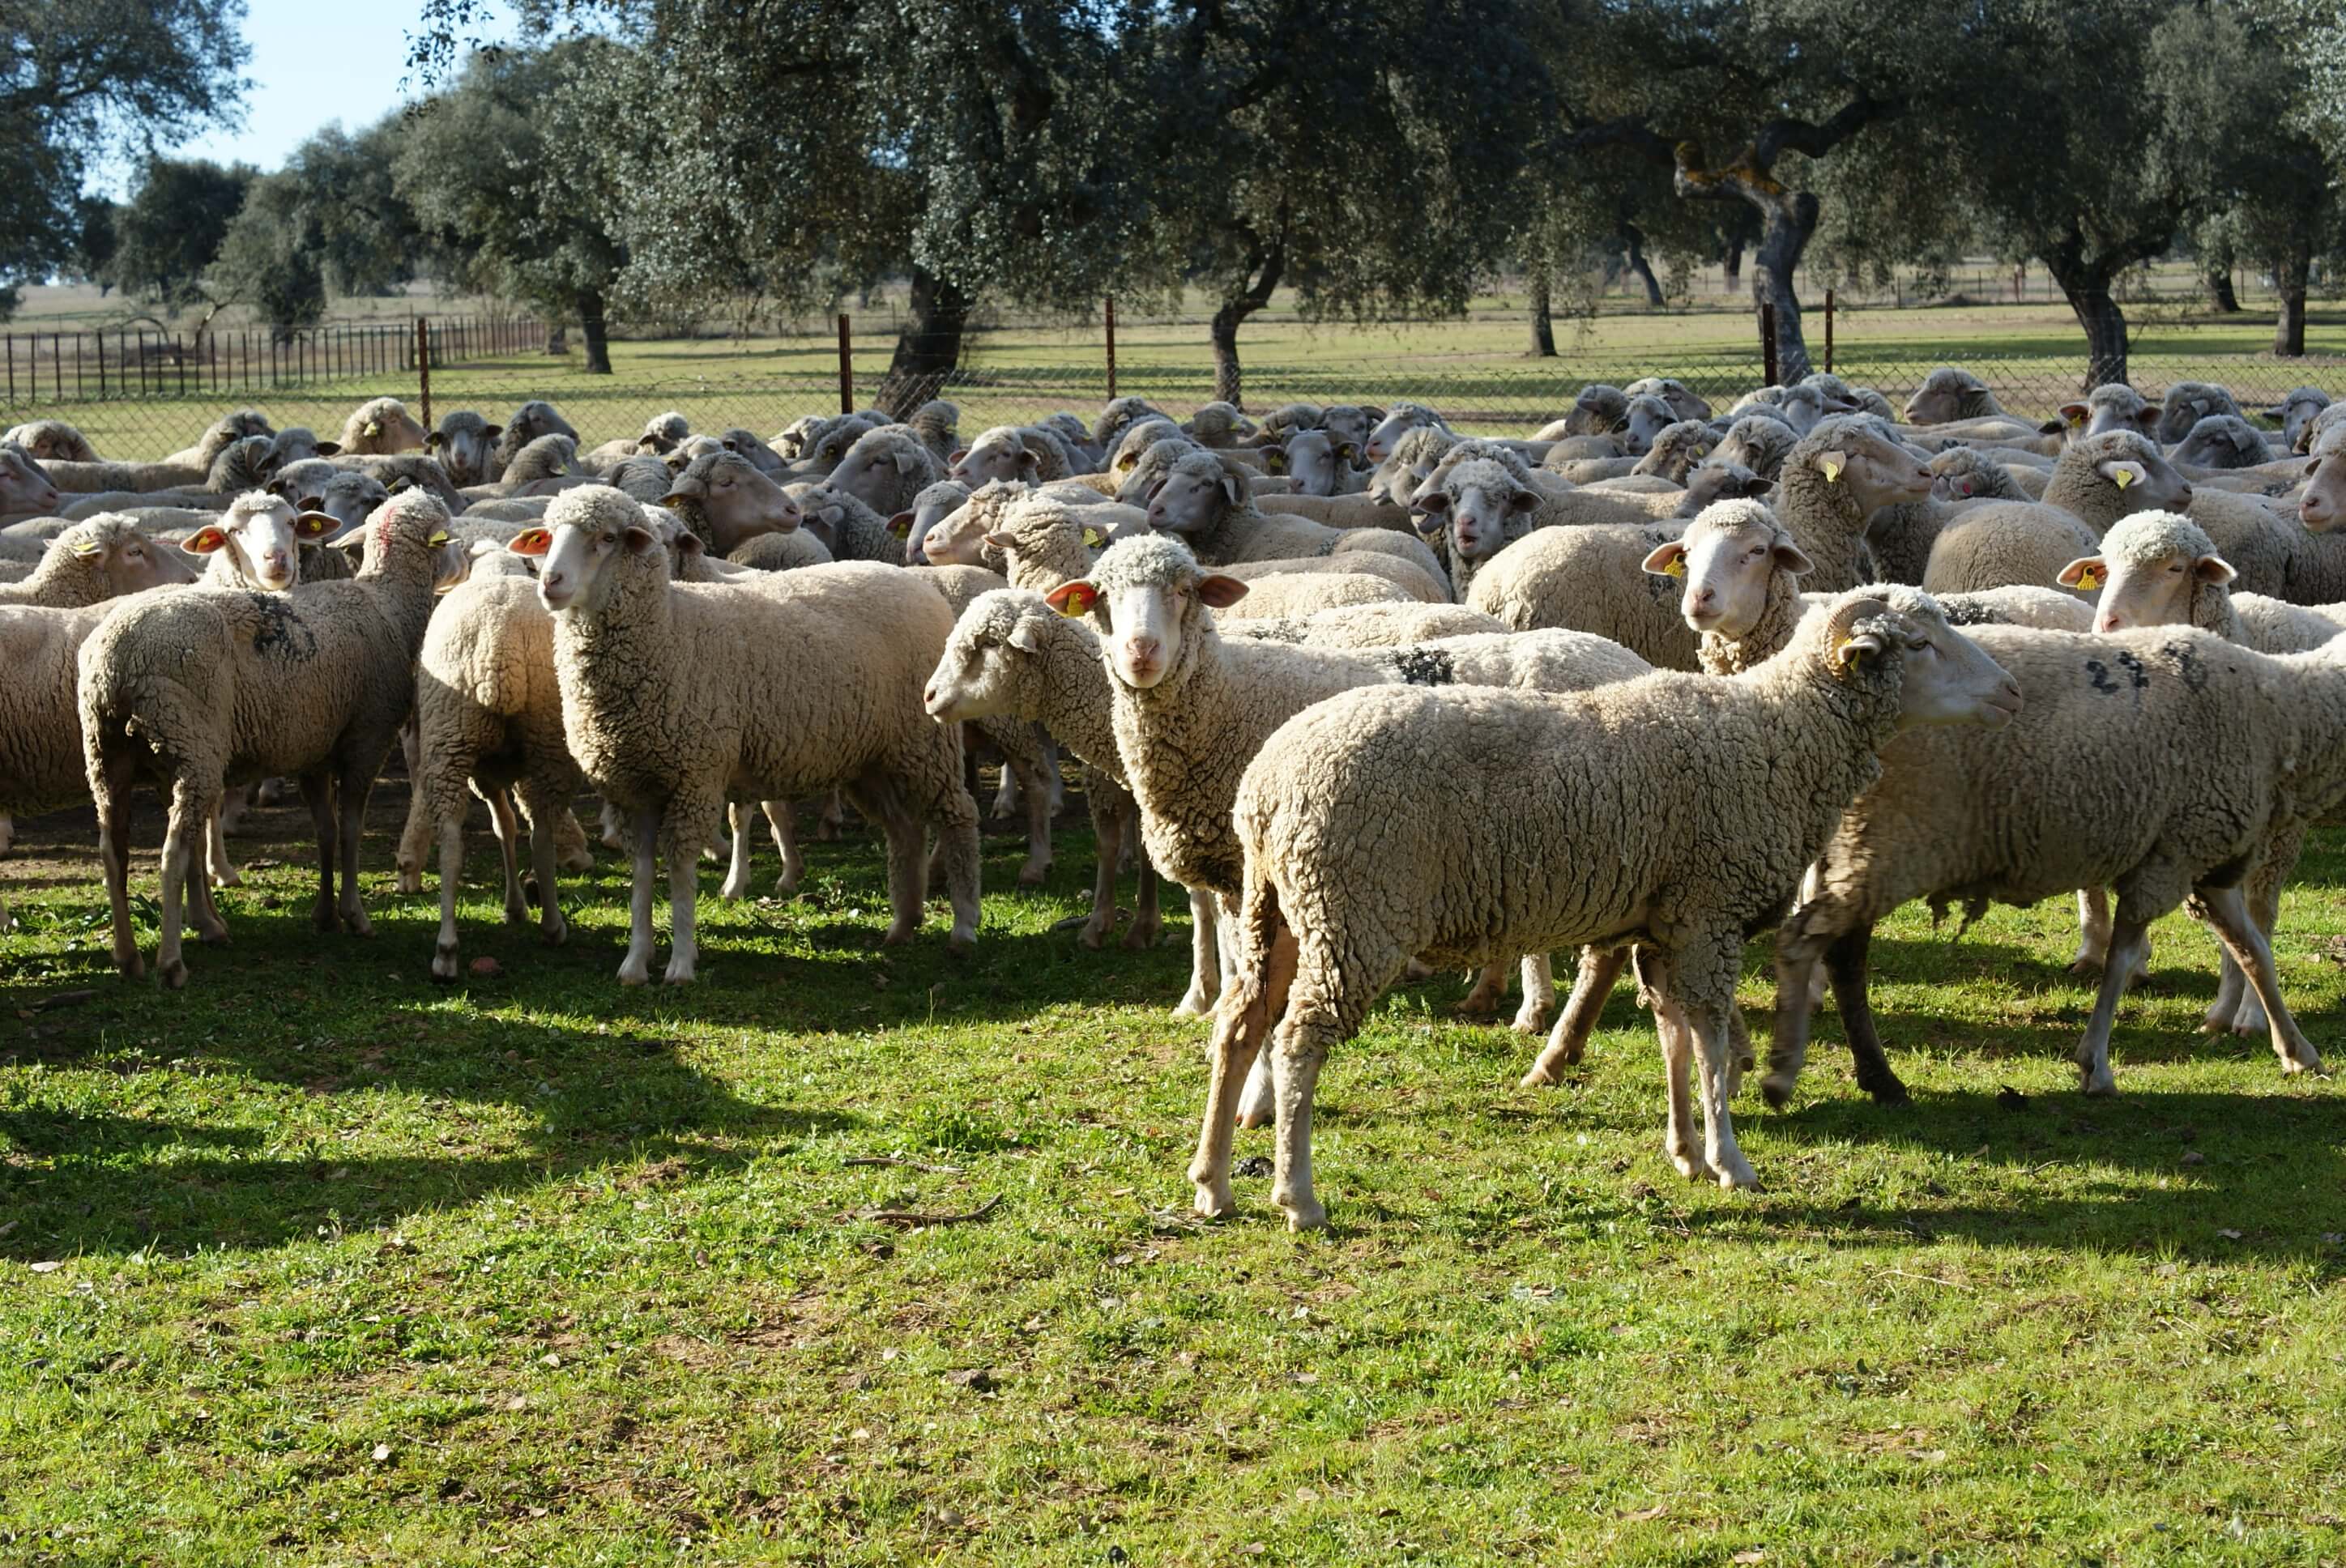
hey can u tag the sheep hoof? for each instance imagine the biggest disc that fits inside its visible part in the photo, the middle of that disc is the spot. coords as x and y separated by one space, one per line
633 973
356 923
1034 874
410 882
531 894
1739 1176
673 975
1886 1091
1307 1215
1141 937
444 965
324 918
2101 1085
961 943
1193 1006
232 877
2084 967
174 975
1531 1021
1214 1200
1776 1088
212 936
1094 936
554 933
1692 1167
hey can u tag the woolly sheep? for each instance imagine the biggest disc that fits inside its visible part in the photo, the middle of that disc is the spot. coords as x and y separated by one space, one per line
728 502
1025 452
1210 509
1676 449
529 421
2186 404
382 425
2222 440
103 558
1684 403
47 440
662 432
673 696
745 445
2159 568
258 540
1400 420
548 457
1320 464
648 479
201 688
933 505
2098 479
466 446
1950 394
886 469
87 478
936 423
1116 415
1598 409
2178 757
401 471
2296 415
848 529
1327 922
781 552
231 426
1407 463
26 488
1757 443
1219 424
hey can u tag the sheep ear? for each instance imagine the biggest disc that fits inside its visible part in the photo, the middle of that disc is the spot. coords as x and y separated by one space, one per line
87 549
1219 592
2147 416
1435 502
1002 540
204 541
1523 501
1274 459
1346 452
1857 648
690 543
901 524
958 454
2123 472
1667 560
2214 570
1790 557
2075 413
1830 464
2199 407
531 542
1026 636
2053 427
493 431
433 440
2313 468
637 540
308 525
330 448
1232 490
2086 574
1073 599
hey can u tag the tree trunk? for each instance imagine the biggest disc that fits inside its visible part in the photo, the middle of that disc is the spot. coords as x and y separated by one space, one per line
2289 328
2219 291
1786 223
1733 267
2104 323
928 347
1642 266
1543 319
590 323
557 338
1265 268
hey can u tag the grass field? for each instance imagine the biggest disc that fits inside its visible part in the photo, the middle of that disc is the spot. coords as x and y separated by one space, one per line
1476 369
317 1262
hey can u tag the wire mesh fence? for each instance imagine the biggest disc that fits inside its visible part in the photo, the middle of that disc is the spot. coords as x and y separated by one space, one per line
763 390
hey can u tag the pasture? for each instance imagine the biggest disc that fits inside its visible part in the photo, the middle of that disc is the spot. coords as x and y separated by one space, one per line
847 1256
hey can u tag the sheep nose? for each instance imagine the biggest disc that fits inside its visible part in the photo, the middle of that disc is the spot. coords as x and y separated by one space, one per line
929 696
2107 622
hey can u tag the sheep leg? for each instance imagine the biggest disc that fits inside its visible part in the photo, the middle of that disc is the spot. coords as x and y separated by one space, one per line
2227 910
737 875
1035 788
1592 987
350 791
112 789
190 820
570 849
1490 990
1707 1027
210 930
1241 1020
785 829
219 870
1671 1026
1539 994
908 876
316 794
416 834
1205 956
1259 1101
452 871
1147 922
2128 939
2232 997
1108 843
1847 963
686 828
833 820
546 815
501 820
636 969
615 828
2093 930
2248 1015
955 819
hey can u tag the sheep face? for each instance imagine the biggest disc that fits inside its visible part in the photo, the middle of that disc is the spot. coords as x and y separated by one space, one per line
2186 404
1317 461
1877 470
875 469
578 551
54 440
1642 423
349 499
1944 678
1149 623
978 675
468 450
1192 499
731 502
1139 437
25 489
1945 394
1959 474
130 561
2113 407
1757 443
1143 473
1596 411
2321 505
2222 440
2295 414
1404 418
1485 507
2152 568
383 426
744 444
1803 406
1349 424
2145 478
1720 482
996 454
534 419
1726 566
264 535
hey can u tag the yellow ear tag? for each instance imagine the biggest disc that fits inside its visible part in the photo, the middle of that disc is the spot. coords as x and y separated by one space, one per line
1833 463
1676 567
2077 419
2122 477
88 549
1094 539
1077 603
439 538
2088 580
374 427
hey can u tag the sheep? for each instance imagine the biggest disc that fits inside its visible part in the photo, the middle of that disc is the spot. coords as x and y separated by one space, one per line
1598 409
231 426
1676 449
1010 452
745 444
26 488
2098 479
1219 424
2186 404
674 696
649 479
52 440
87 478
933 505
1684 403
936 424
383 425
1400 420
403 470
676 459
466 446
848 529
202 688
103 558
781 552
1210 509
1756 770
662 432
2159 568
1320 464
1144 471
886 469
2181 761
1108 429
257 543
1485 509
728 502
2296 415
1289 417
2222 440
529 421
1407 463
1967 473
1757 443
548 457
1589 578
1948 394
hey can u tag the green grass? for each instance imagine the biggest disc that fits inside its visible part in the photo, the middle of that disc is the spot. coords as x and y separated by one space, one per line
317 1262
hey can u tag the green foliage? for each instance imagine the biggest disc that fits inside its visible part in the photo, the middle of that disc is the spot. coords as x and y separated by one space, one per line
87 77
173 226
268 259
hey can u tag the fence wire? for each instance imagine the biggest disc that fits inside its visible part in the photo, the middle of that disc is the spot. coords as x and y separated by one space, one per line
764 391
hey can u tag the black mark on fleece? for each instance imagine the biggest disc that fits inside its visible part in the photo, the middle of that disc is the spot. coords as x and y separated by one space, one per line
283 634
1425 666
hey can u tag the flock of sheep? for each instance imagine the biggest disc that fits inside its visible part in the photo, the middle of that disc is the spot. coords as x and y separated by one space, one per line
1377 696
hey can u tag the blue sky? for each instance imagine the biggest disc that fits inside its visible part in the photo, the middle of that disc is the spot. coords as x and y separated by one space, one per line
313 63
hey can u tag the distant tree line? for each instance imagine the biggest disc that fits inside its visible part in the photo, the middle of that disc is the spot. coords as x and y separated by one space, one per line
1376 157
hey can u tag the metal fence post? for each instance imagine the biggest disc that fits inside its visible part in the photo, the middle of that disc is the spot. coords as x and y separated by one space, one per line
1768 339
846 369
1111 348
1828 313
424 367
